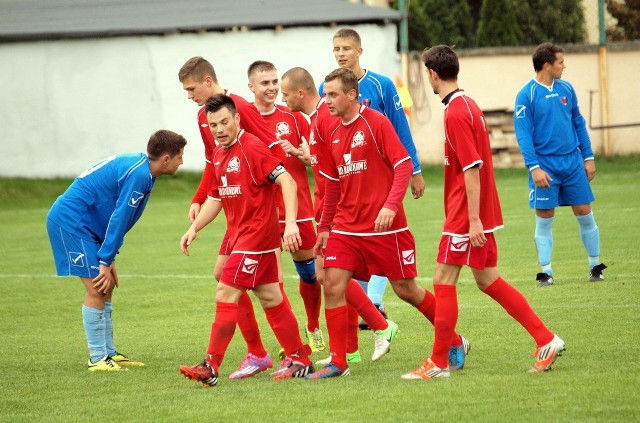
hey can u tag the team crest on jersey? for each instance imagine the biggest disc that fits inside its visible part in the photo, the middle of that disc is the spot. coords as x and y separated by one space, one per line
282 128
564 100
249 266
314 160
228 190
409 256
459 243
233 165
135 199
350 167
358 139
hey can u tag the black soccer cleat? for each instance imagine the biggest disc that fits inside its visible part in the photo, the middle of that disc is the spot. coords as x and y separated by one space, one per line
544 279
596 273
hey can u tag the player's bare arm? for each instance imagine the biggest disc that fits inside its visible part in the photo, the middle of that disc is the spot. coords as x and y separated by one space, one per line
194 210
210 209
472 187
590 168
384 220
291 236
417 185
541 178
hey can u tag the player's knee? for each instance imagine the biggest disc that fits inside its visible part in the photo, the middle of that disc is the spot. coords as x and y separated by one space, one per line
306 270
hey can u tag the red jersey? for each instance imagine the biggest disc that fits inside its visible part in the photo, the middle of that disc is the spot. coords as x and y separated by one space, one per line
240 181
250 120
290 126
320 129
467 145
363 156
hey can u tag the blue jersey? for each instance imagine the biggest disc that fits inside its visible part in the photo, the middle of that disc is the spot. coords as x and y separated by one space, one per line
548 122
378 92
105 201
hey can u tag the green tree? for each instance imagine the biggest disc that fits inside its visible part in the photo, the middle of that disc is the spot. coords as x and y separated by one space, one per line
433 22
559 21
627 12
498 25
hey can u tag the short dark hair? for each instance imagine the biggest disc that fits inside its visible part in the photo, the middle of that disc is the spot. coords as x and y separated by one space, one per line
348 79
443 60
219 101
165 142
545 53
348 33
197 68
260 66
300 78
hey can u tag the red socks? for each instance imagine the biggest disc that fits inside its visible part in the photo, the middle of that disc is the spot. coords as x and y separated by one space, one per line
337 319
285 327
519 308
446 318
222 330
249 326
357 298
311 294
428 309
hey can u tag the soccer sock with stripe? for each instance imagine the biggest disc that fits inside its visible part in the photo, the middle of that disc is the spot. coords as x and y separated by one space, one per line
311 294
590 235
337 320
519 308
285 328
108 328
94 328
375 290
222 330
446 318
544 242
357 298
248 326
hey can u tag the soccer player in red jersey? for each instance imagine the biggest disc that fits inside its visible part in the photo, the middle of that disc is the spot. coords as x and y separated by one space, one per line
472 215
242 178
199 80
300 94
369 231
290 128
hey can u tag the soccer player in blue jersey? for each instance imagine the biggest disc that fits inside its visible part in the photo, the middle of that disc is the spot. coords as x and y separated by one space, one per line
378 92
86 227
553 138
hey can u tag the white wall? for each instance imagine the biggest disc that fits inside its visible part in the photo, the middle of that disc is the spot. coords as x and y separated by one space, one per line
68 103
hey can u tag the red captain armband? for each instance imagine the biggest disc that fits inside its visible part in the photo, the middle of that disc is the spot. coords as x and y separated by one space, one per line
279 170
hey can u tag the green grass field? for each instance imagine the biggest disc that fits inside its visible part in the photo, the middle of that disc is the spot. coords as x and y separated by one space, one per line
164 306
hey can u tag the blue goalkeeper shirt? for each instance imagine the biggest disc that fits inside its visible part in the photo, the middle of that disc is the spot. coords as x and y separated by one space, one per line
548 122
378 92
105 201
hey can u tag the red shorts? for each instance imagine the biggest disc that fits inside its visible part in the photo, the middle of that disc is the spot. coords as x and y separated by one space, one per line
307 234
457 250
225 247
391 255
248 270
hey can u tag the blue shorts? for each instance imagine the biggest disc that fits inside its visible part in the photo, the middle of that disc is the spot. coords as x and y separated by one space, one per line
570 186
73 256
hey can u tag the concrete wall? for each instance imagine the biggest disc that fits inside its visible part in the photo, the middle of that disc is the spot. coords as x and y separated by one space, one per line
493 79
68 103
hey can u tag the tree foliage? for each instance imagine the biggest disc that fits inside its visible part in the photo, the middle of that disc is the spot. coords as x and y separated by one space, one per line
498 26
433 22
627 12
488 23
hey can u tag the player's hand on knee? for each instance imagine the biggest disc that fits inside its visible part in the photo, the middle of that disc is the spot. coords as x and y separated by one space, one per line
104 282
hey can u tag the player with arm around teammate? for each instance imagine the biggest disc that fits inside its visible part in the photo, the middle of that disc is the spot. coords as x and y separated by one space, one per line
364 229
555 144
87 225
472 215
244 172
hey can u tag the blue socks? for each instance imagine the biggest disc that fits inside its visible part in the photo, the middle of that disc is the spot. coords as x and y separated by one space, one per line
590 235
108 329
544 242
94 327
375 291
